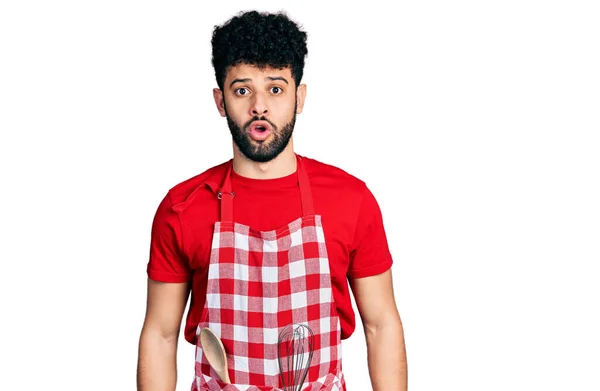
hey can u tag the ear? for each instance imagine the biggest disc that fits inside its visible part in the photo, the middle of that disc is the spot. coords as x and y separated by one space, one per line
219 101
300 97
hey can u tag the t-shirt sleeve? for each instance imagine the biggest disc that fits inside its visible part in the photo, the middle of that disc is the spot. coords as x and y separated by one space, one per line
166 262
370 254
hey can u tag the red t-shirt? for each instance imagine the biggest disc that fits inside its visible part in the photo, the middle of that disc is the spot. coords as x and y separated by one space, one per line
182 229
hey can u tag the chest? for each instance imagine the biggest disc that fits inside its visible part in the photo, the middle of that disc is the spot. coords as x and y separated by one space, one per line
267 212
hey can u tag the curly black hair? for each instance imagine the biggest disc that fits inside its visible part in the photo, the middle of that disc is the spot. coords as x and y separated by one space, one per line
261 39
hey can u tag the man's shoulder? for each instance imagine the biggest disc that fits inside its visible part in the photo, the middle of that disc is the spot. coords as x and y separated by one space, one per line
330 175
209 179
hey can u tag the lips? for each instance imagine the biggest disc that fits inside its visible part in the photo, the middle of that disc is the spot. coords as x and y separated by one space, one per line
260 126
259 130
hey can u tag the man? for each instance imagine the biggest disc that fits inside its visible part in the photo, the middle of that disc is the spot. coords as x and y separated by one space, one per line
268 239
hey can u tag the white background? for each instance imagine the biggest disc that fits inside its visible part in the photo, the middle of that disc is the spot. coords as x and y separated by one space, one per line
475 124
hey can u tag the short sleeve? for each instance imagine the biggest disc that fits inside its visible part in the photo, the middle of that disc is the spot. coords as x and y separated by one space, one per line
167 263
370 254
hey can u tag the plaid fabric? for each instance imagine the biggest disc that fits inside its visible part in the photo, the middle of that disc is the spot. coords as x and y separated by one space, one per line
259 282
330 382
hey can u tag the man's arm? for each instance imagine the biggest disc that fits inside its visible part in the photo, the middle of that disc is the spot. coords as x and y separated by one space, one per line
383 331
157 355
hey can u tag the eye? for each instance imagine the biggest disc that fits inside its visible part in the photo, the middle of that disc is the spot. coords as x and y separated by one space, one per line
242 91
276 90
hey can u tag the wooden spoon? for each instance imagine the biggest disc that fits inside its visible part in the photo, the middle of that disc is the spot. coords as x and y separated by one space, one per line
215 353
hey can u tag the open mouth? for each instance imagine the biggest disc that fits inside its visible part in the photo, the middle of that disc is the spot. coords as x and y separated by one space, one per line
259 130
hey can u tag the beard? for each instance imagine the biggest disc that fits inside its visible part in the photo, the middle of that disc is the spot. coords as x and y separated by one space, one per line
261 151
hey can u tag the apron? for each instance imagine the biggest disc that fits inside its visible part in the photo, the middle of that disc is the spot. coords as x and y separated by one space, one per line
260 282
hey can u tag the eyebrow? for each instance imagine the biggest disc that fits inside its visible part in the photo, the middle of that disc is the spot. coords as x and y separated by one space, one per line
277 78
267 78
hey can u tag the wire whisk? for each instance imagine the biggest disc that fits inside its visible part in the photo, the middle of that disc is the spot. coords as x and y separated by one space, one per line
294 353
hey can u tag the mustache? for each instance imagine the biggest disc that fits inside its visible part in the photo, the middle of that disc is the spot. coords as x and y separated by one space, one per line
256 118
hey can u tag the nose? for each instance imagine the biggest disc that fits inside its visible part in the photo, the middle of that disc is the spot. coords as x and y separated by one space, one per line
259 105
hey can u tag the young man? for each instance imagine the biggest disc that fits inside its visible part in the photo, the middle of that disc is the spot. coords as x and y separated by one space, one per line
268 239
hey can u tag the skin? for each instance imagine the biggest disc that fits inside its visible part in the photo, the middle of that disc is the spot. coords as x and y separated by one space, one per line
248 92
157 351
386 352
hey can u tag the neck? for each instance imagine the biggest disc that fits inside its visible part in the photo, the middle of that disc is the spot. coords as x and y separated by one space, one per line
284 164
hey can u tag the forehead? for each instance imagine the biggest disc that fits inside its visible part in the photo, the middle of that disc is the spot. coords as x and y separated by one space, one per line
257 74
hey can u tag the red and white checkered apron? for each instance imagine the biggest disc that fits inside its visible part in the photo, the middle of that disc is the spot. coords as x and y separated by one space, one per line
261 281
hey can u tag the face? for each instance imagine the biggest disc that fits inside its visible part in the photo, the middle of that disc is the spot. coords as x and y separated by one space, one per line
260 106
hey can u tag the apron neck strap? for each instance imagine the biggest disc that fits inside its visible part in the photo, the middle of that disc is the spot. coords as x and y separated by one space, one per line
226 195
308 208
